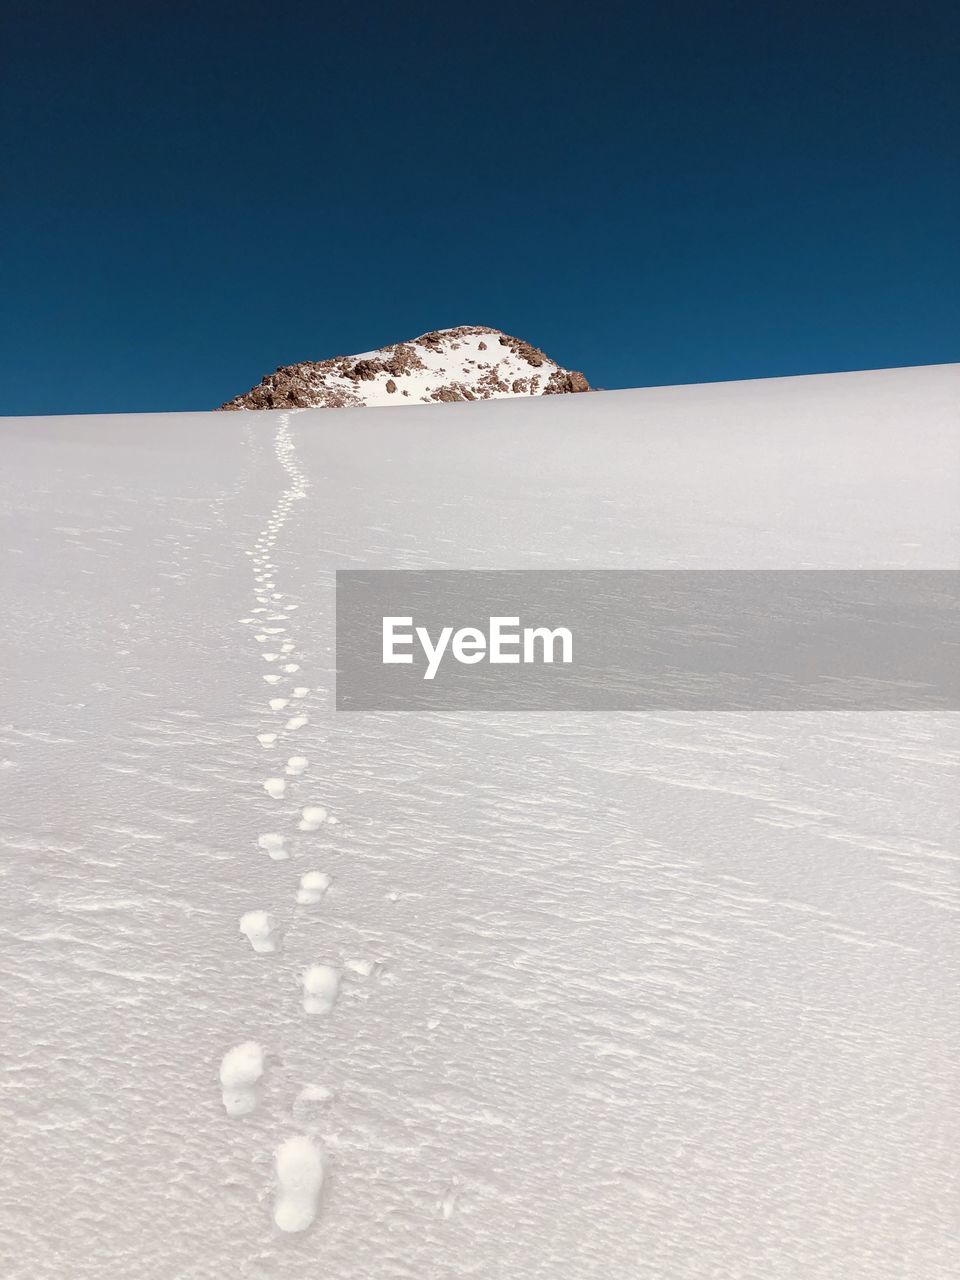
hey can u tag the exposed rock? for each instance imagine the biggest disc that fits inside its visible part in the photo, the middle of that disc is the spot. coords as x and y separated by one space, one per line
438 367
564 382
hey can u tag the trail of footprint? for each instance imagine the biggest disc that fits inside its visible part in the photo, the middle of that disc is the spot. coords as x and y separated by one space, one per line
300 1163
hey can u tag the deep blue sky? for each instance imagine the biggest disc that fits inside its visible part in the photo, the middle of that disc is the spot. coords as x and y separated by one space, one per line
195 193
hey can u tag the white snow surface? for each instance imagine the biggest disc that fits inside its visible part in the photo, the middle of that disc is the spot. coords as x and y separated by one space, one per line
642 997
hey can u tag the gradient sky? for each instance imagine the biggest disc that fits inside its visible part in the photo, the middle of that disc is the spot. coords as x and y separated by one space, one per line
193 194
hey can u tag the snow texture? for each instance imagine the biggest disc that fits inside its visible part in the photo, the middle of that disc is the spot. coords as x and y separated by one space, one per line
640 997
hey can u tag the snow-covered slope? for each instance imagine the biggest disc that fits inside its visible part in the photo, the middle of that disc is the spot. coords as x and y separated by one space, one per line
292 994
467 363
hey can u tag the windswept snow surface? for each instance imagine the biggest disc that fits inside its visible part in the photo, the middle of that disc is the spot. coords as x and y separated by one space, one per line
639 997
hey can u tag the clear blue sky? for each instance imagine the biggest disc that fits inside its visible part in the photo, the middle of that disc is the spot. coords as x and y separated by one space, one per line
195 193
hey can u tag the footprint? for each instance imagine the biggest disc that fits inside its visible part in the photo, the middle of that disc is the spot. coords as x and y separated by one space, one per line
297 722
291 667
321 986
301 691
275 787
313 885
315 1093
274 845
269 657
240 1070
296 765
260 928
272 679
266 739
299 1166
277 704
312 817
448 1204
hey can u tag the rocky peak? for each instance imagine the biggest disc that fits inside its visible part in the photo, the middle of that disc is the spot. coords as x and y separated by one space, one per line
470 362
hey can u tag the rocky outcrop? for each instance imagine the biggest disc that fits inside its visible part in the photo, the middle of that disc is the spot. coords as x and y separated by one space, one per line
470 362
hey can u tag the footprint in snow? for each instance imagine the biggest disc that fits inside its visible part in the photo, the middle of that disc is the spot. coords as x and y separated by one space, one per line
296 765
312 817
321 986
260 929
315 1093
275 787
274 845
313 885
240 1070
